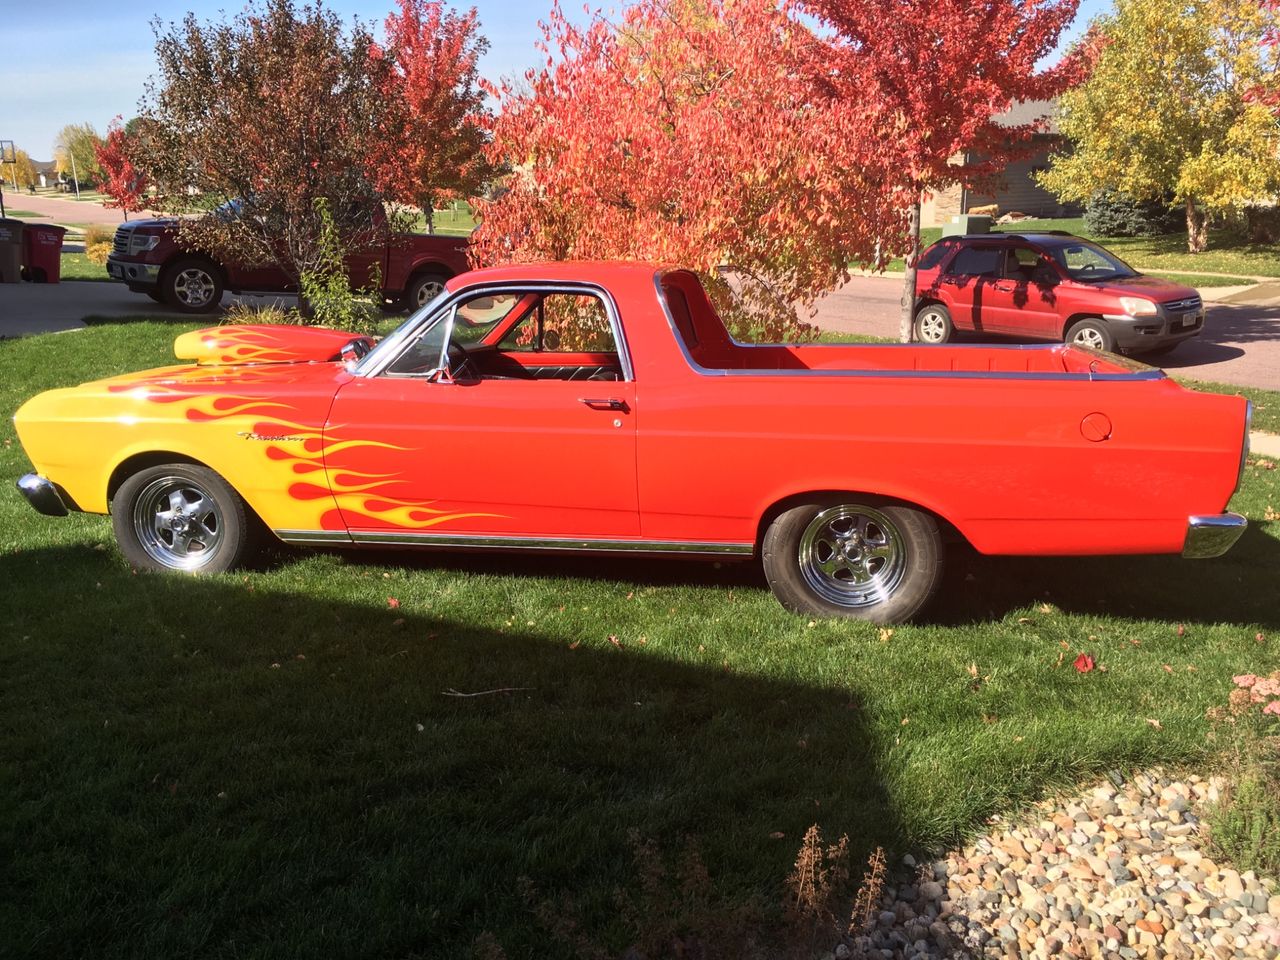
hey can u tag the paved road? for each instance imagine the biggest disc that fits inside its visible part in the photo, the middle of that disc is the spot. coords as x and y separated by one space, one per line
1240 343
58 210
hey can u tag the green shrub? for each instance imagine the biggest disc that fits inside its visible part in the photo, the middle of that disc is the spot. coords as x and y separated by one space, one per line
1244 827
325 291
1112 214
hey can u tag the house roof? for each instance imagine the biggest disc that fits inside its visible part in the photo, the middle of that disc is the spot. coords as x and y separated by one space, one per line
1029 111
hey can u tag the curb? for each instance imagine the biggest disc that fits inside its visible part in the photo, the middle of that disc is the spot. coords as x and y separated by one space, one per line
1266 444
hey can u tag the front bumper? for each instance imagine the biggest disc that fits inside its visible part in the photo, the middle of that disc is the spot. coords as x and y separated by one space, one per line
1148 333
43 494
1212 536
132 271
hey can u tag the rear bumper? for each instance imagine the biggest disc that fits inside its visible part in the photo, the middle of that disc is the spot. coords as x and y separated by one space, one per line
43 495
1212 536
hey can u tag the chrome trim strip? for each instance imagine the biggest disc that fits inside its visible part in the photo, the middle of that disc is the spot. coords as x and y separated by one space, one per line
42 494
1149 374
1244 449
1212 536
472 542
441 308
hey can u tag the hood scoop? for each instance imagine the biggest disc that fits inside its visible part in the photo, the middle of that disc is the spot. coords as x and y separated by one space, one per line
269 343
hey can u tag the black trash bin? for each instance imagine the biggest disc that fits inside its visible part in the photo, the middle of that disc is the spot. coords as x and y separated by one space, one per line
10 251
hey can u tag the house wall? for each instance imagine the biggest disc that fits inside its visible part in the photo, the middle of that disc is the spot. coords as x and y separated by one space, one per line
1017 191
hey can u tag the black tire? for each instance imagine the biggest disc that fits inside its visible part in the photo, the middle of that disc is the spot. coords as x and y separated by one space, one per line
1092 332
422 289
183 518
154 294
192 285
854 556
933 324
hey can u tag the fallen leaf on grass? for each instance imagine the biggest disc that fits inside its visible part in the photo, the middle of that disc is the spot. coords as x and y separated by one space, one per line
393 603
1167 668
1025 620
615 641
1084 663
973 670
1046 608
885 634
1180 630
1155 723
777 835
575 645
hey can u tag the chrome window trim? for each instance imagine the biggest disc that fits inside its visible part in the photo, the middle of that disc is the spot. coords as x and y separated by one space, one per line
444 308
1130 377
477 542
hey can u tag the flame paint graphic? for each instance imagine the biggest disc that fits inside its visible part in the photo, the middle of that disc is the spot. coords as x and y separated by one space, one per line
325 472
265 343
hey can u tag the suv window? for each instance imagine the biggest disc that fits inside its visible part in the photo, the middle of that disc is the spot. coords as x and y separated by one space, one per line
933 256
978 261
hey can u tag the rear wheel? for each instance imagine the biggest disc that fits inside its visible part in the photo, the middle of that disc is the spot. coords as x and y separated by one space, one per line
933 324
854 556
185 518
1092 333
424 288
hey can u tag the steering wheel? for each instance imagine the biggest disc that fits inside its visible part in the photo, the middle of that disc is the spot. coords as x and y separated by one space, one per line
460 365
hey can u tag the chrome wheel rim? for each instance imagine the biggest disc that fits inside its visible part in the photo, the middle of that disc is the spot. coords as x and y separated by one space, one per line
178 523
852 556
429 291
193 287
932 327
1089 337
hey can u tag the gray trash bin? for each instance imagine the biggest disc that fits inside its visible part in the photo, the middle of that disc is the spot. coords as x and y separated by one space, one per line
10 251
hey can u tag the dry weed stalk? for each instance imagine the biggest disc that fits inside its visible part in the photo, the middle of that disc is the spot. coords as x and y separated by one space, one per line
869 893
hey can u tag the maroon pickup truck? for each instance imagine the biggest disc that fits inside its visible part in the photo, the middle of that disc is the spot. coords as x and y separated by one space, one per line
413 268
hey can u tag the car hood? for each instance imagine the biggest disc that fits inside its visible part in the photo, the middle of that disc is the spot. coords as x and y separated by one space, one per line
1152 287
269 343
150 225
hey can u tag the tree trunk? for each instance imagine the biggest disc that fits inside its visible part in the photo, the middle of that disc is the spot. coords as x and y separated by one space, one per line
907 318
1197 228
429 211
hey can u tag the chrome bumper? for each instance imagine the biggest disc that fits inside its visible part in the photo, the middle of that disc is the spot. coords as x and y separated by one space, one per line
43 495
1212 536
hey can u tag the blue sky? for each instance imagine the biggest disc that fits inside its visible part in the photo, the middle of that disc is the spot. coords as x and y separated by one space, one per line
74 61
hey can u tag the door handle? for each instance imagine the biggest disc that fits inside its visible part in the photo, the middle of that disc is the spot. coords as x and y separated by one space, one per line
604 403
1004 287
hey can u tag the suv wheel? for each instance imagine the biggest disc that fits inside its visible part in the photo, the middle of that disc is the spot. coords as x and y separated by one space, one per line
1093 333
933 324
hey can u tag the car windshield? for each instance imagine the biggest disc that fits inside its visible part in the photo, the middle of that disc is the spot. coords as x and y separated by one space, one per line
392 343
1089 263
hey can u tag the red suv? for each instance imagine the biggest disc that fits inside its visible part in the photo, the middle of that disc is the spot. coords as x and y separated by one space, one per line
1049 286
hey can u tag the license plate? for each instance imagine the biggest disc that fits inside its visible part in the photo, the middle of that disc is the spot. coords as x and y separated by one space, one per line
1188 319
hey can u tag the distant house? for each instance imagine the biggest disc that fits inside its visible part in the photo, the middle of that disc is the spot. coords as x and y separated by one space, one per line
46 172
1017 189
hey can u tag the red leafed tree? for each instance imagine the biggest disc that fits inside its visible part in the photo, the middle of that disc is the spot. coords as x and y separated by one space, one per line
437 148
123 181
935 74
697 132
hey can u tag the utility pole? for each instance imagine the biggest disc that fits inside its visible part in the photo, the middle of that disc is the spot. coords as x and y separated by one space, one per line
75 177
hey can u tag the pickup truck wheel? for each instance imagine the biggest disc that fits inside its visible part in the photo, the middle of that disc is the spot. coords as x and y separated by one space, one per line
424 288
182 517
861 558
933 324
154 294
192 285
1092 333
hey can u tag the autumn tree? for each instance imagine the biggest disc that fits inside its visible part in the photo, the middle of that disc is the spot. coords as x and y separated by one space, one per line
436 151
1176 107
75 152
699 132
933 77
122 180
22 172
258 118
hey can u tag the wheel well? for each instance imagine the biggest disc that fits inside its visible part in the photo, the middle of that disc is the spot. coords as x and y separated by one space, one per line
927 302
948 530
144 461
1076 318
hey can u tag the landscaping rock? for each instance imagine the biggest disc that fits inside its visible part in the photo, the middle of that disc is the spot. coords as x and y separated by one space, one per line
1115 872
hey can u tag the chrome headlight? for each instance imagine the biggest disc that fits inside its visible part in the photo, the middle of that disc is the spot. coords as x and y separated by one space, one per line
1137 307
143 243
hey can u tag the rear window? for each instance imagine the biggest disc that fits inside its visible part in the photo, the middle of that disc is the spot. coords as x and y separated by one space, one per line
934 254
978 261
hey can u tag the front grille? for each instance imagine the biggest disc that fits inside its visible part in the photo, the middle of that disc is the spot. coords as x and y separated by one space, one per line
1182 306
121 243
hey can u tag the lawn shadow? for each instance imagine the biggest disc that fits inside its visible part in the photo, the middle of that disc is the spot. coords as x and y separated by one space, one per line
200 765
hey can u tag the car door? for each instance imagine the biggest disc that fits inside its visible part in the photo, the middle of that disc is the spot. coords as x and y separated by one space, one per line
967 286
1023 299
482 453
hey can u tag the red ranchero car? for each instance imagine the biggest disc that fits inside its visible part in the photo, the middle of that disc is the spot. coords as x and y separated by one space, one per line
603 408
1049 286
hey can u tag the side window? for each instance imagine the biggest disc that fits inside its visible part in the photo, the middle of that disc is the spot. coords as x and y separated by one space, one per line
1020 263
978 262
562 323
472 320
934 254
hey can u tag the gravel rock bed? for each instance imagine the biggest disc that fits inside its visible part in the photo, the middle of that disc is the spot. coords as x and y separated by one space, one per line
1115 873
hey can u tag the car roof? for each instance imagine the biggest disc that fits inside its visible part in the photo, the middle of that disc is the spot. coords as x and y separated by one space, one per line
1045 238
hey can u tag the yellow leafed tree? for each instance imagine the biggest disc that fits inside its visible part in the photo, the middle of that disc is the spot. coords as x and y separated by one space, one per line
1172 109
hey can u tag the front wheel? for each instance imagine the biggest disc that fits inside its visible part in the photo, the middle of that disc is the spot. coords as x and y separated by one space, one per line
933 324
182 517
424 288
1092 333
857 557
192 285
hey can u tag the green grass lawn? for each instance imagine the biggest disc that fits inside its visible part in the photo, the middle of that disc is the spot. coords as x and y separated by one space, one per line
270 764
77 266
